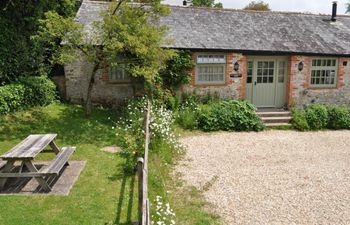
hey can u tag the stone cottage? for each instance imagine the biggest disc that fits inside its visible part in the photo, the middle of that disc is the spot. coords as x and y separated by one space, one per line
272 59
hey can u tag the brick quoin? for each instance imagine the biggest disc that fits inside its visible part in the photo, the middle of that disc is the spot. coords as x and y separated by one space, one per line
229 68
340 82
307 66
293 60
105 72
243 70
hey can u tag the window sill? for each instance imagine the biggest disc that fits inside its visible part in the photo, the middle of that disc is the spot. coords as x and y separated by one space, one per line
322 88
210 85
119 82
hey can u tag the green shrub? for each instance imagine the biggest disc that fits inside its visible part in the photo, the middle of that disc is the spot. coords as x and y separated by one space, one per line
32 91
176 72
339 117
39 90
11 98
299 121
229 115
187 119
317 116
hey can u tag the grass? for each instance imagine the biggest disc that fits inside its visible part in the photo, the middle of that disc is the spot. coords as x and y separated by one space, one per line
187 201
103 194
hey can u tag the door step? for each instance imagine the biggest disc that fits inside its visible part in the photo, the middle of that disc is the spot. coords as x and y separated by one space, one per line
270 125
275 118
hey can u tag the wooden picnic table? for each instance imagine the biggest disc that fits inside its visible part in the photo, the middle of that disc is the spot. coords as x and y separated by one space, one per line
26 151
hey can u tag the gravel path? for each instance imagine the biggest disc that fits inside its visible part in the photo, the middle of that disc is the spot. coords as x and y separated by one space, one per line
272 177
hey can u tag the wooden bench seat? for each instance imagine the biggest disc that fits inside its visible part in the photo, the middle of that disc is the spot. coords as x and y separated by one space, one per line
2 163
55 167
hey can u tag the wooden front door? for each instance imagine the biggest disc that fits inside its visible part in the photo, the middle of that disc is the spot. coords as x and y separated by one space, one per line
266 81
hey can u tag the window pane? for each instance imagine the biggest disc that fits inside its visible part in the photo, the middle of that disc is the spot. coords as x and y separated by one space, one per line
211 73
211 59
323 72
118 73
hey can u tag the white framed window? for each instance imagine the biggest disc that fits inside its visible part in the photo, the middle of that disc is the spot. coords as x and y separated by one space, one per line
211 69
250 67
324 72
118 74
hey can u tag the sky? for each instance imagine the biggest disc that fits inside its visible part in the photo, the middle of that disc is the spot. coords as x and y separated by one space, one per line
314 6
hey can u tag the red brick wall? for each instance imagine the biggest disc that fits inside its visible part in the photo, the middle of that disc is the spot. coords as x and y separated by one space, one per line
232 88
105 72
341 71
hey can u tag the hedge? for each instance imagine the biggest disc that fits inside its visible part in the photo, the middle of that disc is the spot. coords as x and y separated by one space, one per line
229 115
318 117
30 91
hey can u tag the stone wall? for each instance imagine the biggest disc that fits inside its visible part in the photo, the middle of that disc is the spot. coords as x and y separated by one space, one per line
300 93
234 88
60 82
103 92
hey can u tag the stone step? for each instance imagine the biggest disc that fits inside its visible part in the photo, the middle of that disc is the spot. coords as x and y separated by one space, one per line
284 119
274 114
278 125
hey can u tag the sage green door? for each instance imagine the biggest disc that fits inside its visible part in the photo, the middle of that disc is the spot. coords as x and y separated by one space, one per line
266 81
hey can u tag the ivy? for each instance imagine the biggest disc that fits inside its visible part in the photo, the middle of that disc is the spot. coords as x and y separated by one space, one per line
177 71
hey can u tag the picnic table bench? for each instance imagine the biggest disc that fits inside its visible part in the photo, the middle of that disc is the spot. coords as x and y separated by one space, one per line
26 151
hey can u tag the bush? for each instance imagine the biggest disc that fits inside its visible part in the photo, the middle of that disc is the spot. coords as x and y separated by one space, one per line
176 72
187 119
339 117
11 98
299 121
32 91
317 116
130 130
39 90
229 115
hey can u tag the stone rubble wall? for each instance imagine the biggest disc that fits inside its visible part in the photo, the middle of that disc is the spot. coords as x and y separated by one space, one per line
77 75
234 88
299 92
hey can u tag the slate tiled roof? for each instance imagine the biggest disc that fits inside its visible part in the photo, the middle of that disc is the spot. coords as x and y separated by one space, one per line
246 31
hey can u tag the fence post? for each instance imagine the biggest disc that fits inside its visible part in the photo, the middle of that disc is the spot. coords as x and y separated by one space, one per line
140 188
148 215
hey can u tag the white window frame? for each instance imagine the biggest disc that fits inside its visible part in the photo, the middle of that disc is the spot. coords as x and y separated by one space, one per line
210 60
324 68
126 78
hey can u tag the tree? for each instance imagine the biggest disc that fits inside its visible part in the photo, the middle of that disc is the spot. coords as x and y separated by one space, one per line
207 3
123 36
258 6
347 8
19 21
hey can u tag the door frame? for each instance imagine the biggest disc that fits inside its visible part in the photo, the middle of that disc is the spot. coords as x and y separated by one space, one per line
276 60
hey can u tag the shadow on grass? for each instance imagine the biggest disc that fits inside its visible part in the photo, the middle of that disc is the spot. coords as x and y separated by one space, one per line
68 121
126 197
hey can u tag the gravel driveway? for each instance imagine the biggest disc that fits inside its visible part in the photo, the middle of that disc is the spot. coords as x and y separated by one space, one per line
272 177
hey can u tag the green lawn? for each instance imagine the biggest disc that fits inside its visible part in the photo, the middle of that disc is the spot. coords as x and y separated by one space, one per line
103 194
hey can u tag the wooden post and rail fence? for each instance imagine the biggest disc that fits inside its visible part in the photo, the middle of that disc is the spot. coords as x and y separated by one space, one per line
142 174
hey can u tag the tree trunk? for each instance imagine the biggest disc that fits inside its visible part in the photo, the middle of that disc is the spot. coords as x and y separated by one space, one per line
88 103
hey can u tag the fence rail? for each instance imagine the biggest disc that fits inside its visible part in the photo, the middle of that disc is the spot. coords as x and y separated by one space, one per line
142 174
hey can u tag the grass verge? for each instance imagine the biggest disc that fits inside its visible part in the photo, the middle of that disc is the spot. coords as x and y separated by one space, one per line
103 194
